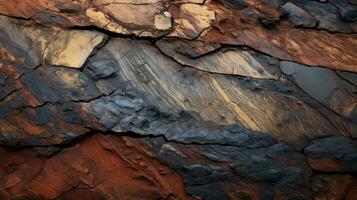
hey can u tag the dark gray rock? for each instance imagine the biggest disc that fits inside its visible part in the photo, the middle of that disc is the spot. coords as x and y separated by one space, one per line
298 16
43 115
68 83
328 16
284 170
3 78
101 68
199 174
52 18
271 164
348 11
23 45
208 192
339 148
4 111
325 86
349 15
39 88
348 76
237 4
47 151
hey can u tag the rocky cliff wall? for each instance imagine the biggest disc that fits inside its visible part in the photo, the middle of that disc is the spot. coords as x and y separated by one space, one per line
178 99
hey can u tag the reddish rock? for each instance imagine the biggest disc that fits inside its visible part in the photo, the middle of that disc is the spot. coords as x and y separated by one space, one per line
331 186
97 167
325 165
183 99
352 191
24 8
315 48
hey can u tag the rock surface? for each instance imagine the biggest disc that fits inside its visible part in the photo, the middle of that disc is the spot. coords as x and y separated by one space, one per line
182 99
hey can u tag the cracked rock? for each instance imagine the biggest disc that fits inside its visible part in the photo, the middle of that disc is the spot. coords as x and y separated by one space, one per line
178 99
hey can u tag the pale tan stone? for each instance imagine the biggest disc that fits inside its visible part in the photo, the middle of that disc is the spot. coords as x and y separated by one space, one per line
97 17
195 18
134 15
71 48
149 20
202 14
163 22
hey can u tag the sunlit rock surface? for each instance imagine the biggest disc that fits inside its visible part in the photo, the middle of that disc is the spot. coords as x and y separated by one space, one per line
181 99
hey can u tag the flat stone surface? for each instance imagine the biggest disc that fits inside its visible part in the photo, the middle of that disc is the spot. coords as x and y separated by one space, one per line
332 154
191 20
71 48
234 61
325 86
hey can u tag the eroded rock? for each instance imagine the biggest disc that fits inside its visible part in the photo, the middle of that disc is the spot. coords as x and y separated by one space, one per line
71 49
183 99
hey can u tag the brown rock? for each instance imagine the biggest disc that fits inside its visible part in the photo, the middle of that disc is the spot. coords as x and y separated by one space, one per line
191 20
215 99
331 186
352 191
90 169
71 49
24 8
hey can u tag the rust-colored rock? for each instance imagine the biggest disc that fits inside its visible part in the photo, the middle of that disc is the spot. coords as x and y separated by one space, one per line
178 99
100 167
25 8
331 186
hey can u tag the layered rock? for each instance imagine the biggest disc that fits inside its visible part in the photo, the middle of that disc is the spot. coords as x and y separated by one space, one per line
184 99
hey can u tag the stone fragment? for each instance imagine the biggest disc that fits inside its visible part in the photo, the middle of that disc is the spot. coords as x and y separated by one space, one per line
41 126
192 49
237 4
328 16
234 61
331 186
71 48
348 76
24 8
163 22
347 11
102 68
332 154
305 46
352 191
325 86
61 48
24 42
89 170
58 84
190 20
338 50
199 174
298 16
284 170
149 19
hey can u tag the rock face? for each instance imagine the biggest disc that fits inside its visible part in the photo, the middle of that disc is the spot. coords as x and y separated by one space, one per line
182 99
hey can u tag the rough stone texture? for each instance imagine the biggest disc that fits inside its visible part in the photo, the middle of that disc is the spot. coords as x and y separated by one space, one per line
71 49
87 169
178 99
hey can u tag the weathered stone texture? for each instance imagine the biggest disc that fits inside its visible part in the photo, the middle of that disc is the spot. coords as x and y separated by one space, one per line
178 99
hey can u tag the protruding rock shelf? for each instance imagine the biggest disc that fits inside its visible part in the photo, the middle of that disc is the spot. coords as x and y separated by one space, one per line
178 99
